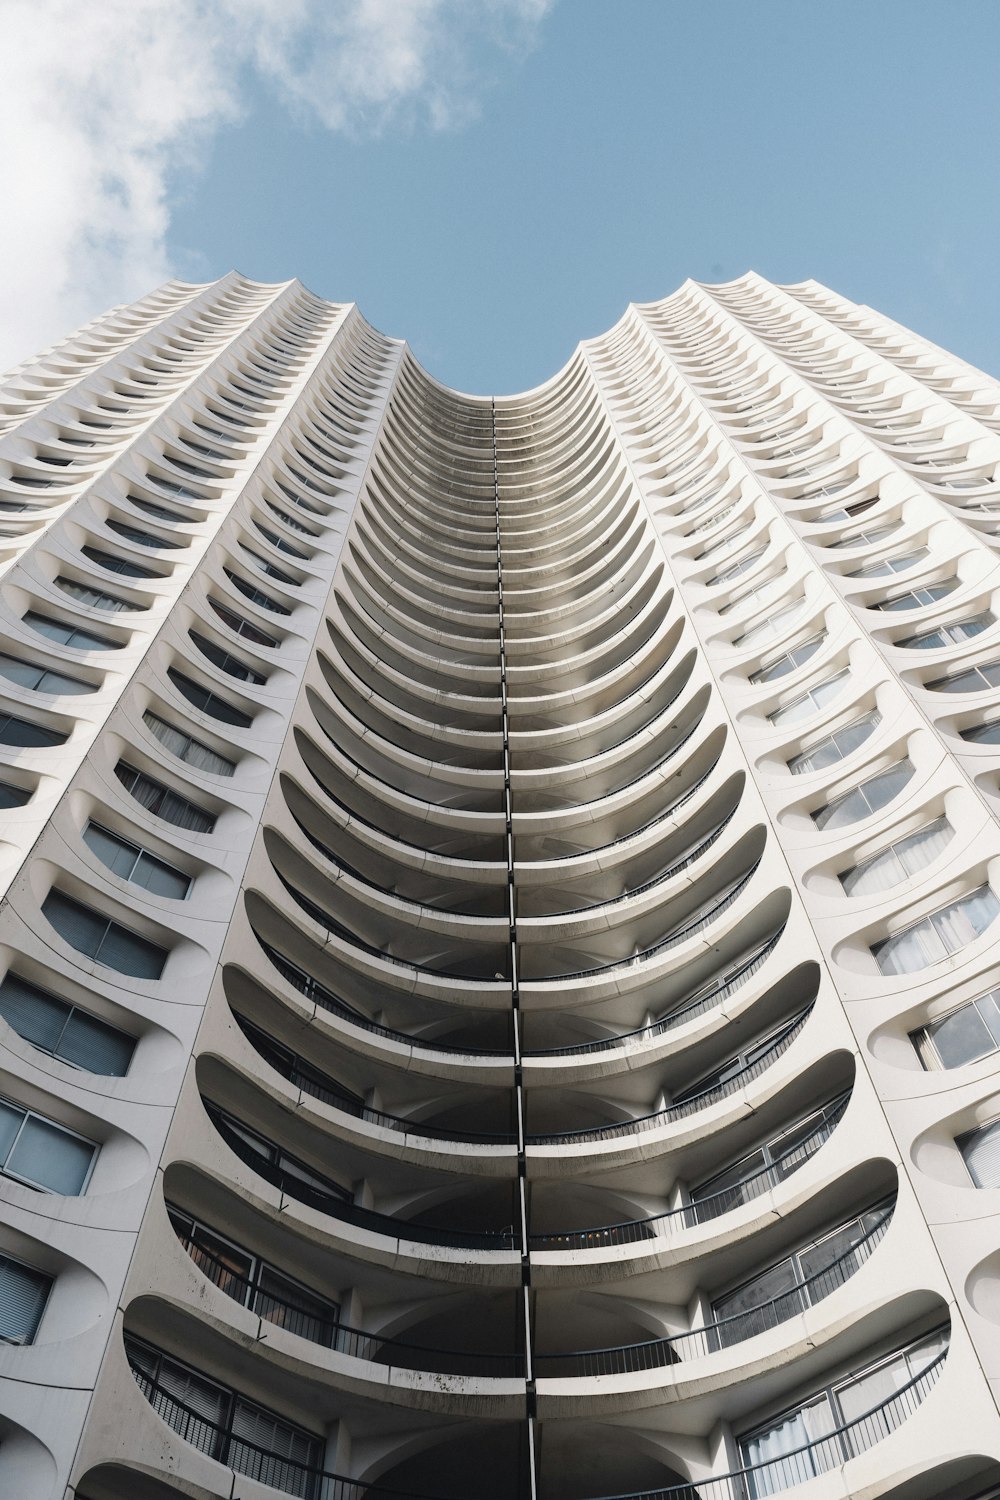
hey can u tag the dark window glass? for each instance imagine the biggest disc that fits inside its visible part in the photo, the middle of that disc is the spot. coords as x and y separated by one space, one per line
63 1030
68 634
162 802
92 933
209 702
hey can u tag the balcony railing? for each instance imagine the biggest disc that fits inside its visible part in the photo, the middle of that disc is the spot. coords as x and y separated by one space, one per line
253 1460
331 1333
708 998
654 1354
679 1111
328 1201
679 935
799 1465
703 1210
321 996
328 1093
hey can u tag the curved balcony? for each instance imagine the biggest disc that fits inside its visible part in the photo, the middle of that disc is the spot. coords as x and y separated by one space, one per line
702 1099
724 1333
333 1333
708 997
704 1210
798 1465
278 1470
338 1204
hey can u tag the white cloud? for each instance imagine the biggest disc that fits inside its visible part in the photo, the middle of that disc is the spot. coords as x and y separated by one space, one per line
101 104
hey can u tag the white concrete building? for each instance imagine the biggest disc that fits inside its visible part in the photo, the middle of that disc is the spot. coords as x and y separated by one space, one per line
500 958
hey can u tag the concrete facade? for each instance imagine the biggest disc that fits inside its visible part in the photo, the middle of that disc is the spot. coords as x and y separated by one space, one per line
501 911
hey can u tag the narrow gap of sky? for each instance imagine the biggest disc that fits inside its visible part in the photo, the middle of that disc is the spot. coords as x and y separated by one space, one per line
639 143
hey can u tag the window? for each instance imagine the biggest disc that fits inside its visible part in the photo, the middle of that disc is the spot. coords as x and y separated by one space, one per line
872 535
847 512
768 1165
947 635
725 543
158 512
972 680
187 748
239 626
67 634
209 702
116 564
223 1424
811 702
64 1031
141 538
255 595
796 1445
983 734
737 568
96 598
279 541
789 660
266 1291
981 1153
42 1154
861 801
944 932
136 864
269 568
914 598
291 521
40 679
23 1295
899 861
800 1280
771 626
273 1161
25 734
162 802
967 1034
888 565
835 747
13 796
225 661
96 936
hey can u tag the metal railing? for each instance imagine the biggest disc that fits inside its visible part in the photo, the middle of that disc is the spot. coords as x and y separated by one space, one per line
655 1354
327 1000
290 1475
690 1106
659 879
799 1465
702 1210
707 998
332 1333
687 930
328 1093
330 1201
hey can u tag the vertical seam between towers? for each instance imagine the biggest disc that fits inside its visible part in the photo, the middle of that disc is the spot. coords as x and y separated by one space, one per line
529 1380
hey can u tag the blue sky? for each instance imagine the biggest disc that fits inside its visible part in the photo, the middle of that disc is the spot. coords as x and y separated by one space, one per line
604 153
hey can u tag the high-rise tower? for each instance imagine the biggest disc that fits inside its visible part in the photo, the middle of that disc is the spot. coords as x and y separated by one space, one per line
499 994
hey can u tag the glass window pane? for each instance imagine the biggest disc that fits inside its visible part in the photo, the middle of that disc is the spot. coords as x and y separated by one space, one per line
981 1151
92 1044
961 1038
23 1294
50 1158
33 1014
10 1123
160 878
129 953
